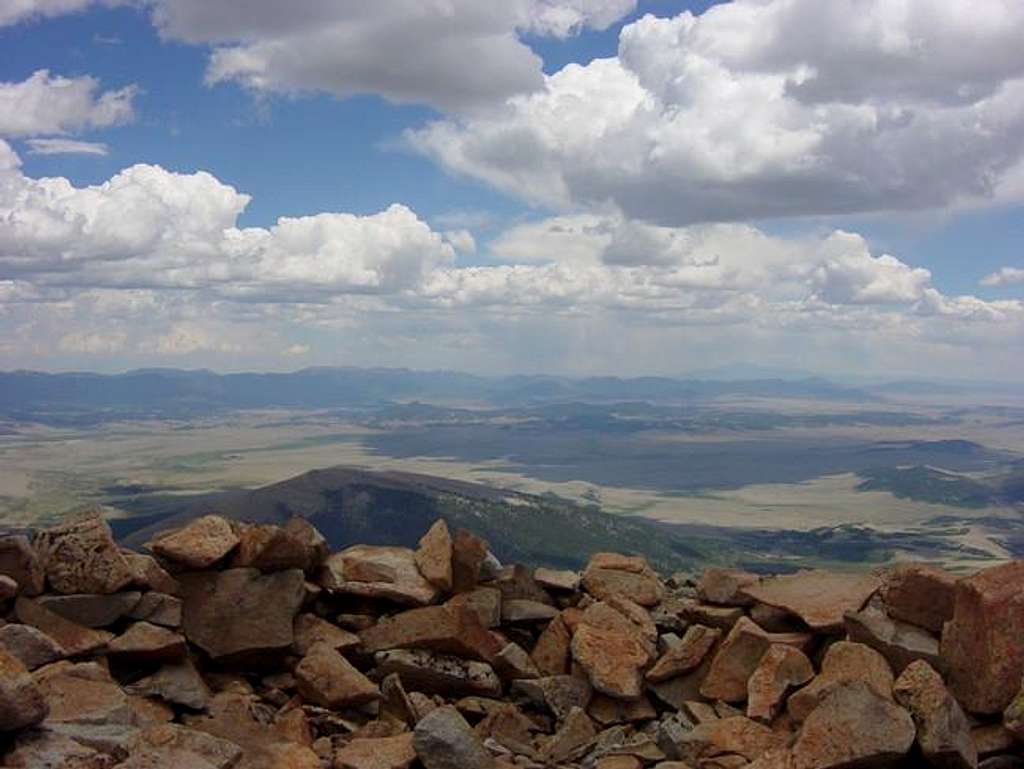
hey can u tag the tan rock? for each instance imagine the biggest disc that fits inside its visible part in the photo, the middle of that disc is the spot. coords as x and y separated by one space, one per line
899 642
982 645
523 610
434 556
389 573
74 639
942 729
610 574
309 630
573 738
325 678
733 735
721 617
178 683
79 555
919 594
48 749
269 548
613 660
439 628
685 656
433 673
853 726
625 762
383 753
843 663
82 694
144 642
607 710
241 615
31 646
91 610
199 545
170 745
553 579
558 694
148 574
485 602
725 586
1013 716
735 661
512 662
159 609
780 669
992 739
19 561
468 554
551 654
819 598
443 740
22 704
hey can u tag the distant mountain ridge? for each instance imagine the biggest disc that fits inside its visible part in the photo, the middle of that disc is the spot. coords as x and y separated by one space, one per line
170 392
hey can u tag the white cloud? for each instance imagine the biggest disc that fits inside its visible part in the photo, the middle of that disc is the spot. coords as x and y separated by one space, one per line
14 11
1005 276
451 54
739 113
65 147
51 104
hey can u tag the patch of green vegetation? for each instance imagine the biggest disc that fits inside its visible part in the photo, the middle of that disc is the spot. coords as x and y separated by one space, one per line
926 484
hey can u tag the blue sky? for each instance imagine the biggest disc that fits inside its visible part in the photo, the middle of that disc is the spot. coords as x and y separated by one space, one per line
721 186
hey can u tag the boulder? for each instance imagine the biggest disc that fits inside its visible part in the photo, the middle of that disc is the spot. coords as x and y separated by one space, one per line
178 683
30 645
92 610
147 574
899 642
525 610
574 736
551 654
199 545
325 678
1013 716
734 735
612 658
468 555
920 594
22 704
844 662
433 673
147 643
83 694
781 668
942 729
485 602
434 556
558 580
983 644
557 694
512 662
170 745
8 588
735 661
610 574
309 630
443 740
725 586
389 573
79 555
439 628
686 655
606 710
73 638
819 598
48 749
381 753
159 609
853 727
296 545
241 615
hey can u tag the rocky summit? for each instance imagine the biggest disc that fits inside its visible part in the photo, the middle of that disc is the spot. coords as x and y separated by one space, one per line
244 646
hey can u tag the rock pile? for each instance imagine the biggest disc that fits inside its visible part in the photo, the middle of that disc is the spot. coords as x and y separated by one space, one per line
253 647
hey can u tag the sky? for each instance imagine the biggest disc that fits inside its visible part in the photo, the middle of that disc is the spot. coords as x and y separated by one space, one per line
561 186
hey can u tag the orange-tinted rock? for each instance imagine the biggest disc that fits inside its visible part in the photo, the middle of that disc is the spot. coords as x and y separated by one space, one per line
610 574
147 574
573 738
158 608
920 594
731 735
199 545
612 659
389 573
91 610
558 694
686 655
844 662
983 645
439 628
79 555
819 598
73 638
144 642
19 561
325 678
512 662
433 673
551 653
22 704
735 661
383 753
468 554
780 669
853 727
1013 716
485 602
31 646
942 729
178 683
899 642
607 710
434 556
310 630
725 586
241 615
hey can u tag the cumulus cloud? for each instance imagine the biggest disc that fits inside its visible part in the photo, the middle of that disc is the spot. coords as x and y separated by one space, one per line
1005 276
740 113
65 147
451 54
152 265
14 11
51 104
